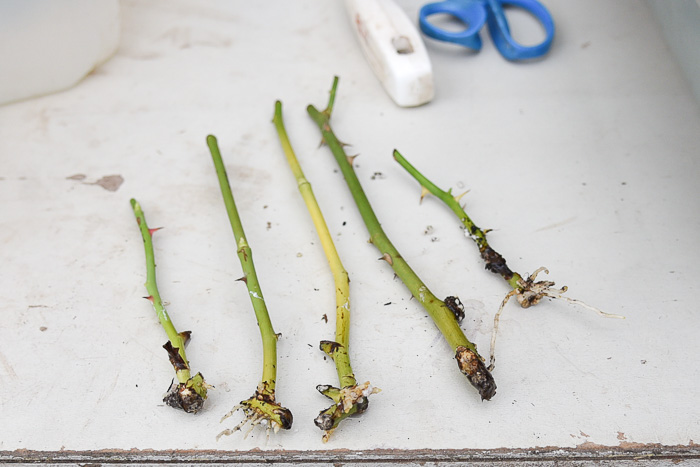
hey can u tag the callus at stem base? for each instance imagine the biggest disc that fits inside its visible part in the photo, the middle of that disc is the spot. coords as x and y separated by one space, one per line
472 366
350 400
188 396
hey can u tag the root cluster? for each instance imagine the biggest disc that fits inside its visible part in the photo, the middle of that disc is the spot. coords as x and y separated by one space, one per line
261 409
349 400
529 293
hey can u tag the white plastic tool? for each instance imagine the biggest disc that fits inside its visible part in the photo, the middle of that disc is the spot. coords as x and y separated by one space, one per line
394 49
50 45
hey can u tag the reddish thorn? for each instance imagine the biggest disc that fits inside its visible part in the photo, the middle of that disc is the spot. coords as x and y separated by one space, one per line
152 231
243 279
149 298
387 257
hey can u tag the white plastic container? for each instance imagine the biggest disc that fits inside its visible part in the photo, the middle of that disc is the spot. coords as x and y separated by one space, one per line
50 45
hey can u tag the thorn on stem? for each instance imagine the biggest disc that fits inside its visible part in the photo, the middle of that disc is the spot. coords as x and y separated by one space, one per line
243 279
423 191
152 231
458 197
387 257
351 159
149 298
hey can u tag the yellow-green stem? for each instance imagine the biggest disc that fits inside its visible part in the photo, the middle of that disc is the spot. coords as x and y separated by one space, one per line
340 275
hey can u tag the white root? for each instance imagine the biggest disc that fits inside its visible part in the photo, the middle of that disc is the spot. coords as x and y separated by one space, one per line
531 293
254 421
231 412
230 431
584 305
253 417
494 333
533 276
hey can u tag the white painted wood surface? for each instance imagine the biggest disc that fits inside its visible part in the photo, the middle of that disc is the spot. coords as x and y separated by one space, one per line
586 162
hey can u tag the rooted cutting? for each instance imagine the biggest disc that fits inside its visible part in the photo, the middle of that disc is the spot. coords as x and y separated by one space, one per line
443 317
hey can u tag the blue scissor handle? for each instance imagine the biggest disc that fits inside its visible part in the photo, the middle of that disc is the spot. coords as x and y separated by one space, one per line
471 13
500 32
475 13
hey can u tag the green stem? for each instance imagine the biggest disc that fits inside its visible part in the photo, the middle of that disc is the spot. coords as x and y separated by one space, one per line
494 261
340 275
154 296
191 391
269 338
443 317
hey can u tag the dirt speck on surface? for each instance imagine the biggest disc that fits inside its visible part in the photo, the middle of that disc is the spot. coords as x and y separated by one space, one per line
110 182
42 328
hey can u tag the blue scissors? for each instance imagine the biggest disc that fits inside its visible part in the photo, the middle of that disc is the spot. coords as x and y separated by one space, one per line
475 13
